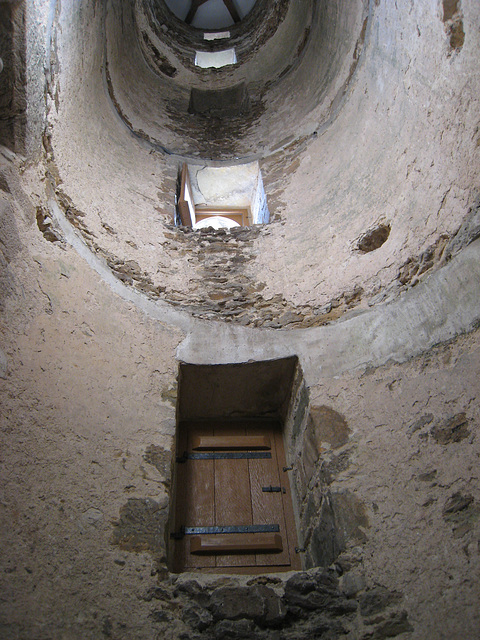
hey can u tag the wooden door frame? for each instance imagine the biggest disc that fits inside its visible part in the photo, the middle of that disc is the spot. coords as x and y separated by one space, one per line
178 494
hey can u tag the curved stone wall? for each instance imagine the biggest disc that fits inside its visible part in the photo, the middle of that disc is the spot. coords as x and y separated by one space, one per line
368 141
368 146
277 48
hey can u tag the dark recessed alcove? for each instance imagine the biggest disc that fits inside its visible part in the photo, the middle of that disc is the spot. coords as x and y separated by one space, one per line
220 103
374 238
233 502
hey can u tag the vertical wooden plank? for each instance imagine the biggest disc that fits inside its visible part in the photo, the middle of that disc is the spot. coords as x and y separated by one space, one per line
179 550
268 508
233 504
291 529
199 509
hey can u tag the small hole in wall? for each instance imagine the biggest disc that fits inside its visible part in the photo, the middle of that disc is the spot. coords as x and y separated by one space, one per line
374 238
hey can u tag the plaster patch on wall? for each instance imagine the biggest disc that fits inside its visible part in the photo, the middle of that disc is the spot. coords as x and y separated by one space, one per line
141 527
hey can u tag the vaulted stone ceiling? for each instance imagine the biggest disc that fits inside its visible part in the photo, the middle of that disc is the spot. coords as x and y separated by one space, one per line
348 115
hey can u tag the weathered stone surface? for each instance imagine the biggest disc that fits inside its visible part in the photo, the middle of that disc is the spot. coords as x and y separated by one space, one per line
468 232
197 617
352 583
310 511
46 226
420 423
301 398
416 266
4 183
397 624
274 607
342 518
237 630
312 605
334 465
158 615
161 460
428 476
325 428
157 593
456 504
376 600
454 429
90 518
3 365
194 591
228 603
319 592
453 19
13 102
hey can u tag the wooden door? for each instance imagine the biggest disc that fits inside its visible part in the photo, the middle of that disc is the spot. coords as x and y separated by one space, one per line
233 501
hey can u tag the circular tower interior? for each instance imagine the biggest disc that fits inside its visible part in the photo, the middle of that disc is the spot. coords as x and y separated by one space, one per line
224 213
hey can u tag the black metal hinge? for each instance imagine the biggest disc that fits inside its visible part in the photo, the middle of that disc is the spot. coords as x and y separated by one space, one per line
249 528
271 489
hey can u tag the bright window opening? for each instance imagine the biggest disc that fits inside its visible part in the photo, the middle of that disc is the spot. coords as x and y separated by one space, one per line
216 222
216 35
215 59
221 197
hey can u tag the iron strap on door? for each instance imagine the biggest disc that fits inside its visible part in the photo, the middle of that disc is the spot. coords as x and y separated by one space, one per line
224 455
249 528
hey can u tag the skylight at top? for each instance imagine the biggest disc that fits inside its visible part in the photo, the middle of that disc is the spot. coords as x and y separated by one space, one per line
210 14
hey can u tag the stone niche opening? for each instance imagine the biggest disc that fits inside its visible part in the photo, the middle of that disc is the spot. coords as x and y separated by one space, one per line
234 509
221 197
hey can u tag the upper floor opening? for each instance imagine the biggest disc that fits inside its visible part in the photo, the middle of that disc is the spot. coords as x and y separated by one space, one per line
221 197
